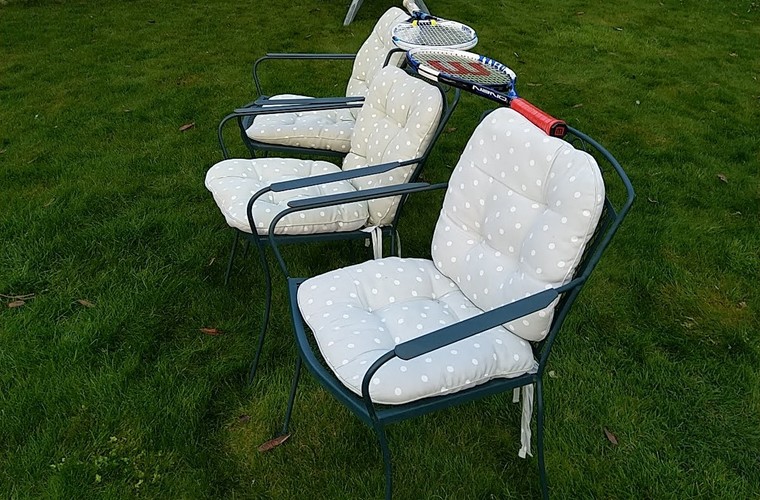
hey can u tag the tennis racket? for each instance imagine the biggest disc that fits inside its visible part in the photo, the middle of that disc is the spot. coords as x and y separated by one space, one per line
482 76
422 30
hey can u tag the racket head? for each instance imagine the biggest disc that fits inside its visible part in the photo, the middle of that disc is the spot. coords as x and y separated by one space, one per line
461 66
433 32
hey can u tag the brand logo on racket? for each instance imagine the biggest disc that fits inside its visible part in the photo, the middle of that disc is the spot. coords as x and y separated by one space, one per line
460 68
491 93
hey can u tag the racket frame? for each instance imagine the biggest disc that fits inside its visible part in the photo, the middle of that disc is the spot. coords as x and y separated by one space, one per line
504 94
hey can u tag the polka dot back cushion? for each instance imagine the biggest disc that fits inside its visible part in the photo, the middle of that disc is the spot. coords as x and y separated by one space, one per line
519 210
396 123
371 56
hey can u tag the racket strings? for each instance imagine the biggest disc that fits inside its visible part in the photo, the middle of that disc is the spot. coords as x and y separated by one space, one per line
438 35
474 70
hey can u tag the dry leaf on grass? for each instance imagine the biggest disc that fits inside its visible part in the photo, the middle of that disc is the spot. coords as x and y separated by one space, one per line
211 331
723 178
273 443
86 303
187 126
611 437
16 303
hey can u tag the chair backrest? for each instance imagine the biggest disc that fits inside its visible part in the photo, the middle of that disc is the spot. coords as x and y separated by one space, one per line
400 118
518 212
373 52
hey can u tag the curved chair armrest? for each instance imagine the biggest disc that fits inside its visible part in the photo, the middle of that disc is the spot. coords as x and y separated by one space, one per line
303 101
459 331
476 324
337 199
275 110
295 56
340 176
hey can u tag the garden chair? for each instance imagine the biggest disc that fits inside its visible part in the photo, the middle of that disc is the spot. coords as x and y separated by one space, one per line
524 221
326 131
395 130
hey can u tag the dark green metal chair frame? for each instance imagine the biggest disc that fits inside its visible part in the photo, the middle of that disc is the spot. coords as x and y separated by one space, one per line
450 99
378 416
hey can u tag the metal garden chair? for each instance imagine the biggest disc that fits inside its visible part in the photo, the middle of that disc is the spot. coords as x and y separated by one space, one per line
524 222
327 130
395 130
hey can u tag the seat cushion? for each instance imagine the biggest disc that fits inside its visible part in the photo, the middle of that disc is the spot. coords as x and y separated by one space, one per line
517 215
233 182
359 313
330 130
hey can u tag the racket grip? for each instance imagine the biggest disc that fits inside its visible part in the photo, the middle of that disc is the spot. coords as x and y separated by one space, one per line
552 126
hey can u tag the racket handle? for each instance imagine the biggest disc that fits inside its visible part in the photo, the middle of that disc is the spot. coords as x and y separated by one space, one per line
552 126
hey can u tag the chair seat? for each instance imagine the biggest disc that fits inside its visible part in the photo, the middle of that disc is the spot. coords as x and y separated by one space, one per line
233 182
330 130
359 313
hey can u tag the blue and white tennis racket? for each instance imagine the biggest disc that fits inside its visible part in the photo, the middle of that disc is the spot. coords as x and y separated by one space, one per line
422 30
482 76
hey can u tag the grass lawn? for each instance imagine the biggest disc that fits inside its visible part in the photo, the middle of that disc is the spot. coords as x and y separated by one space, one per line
107 386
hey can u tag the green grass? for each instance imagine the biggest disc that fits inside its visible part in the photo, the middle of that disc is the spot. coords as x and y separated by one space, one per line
102 200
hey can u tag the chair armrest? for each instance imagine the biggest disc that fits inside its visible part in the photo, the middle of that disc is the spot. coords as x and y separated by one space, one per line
340 176
275 110
474 325
295 56
367 194
299 101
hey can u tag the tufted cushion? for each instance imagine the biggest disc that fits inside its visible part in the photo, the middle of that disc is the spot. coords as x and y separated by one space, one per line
374 50
331 130
233 182
397 122
361 312
518 212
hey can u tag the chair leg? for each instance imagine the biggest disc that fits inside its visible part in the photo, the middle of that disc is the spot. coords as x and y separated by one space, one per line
540 439
267 308
232 258
292 398
386 458
352 10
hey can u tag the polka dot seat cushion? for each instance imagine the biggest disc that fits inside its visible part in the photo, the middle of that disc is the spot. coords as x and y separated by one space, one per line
234 182
397 123
331 130
518 212
359 313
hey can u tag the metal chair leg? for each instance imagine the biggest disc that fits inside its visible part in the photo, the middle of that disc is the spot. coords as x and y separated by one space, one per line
267 309
292 398
352 10
232 258
540 439
386 459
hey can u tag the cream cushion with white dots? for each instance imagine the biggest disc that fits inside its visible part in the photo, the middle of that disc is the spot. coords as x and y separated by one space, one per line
518 212
233 182
397 123
361 312
331 130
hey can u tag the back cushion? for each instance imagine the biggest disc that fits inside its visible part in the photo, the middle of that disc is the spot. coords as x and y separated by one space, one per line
518 212
397 122
371 56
